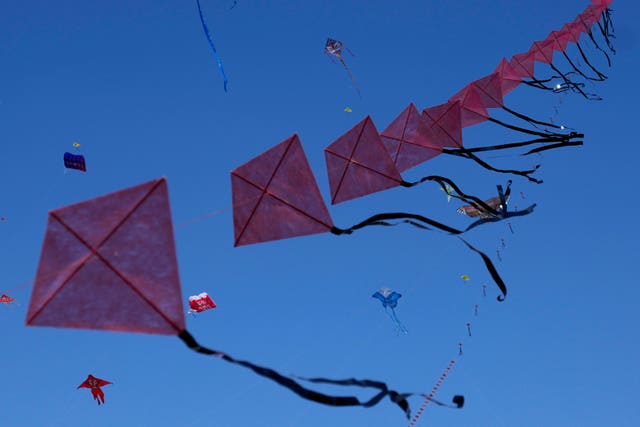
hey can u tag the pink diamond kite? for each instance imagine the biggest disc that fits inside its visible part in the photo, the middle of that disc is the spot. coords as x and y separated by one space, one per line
409 139
109 263
275 196
358 164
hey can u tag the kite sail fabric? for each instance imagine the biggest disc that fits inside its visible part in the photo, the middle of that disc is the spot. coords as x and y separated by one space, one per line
74 161
335 47
201 302
94 270
275 196
94 384
109 263
213 47
358 164
409 139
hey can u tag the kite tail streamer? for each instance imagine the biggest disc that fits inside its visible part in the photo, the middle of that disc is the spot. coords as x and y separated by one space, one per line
213 48
419 221
554 139
607 30
601 77
595 43
552 146
492 270
576 87
353 79
536 122
394 317
523 173
397 398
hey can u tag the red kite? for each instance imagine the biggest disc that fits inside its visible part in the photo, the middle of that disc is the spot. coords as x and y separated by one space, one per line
94 384
6 299
201 302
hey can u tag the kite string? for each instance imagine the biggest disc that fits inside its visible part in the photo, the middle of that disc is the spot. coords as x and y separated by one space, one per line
431 394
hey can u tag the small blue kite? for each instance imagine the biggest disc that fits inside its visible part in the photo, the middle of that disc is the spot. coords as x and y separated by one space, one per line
389 299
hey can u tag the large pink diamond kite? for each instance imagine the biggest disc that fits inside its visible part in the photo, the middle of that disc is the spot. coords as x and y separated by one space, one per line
109 263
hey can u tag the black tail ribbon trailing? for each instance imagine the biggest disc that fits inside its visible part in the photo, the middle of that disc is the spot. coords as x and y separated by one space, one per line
399 399
422 222
492 270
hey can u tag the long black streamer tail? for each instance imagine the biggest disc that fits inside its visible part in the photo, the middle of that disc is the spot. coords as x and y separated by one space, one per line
492 270
607 30
601 77
425 223
523 173
399 399
552 146
547 140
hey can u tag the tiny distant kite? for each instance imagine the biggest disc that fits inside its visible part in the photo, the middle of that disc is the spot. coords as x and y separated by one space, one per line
465 277
213 48
449 190
76 144
75 161
389 299
348 110
94 384
6 299
200 303
334 47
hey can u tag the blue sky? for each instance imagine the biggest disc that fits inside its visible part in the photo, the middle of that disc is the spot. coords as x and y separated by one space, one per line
135 83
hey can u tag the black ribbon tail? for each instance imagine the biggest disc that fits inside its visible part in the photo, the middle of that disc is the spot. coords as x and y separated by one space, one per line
314 396
492 270
552 146
407 218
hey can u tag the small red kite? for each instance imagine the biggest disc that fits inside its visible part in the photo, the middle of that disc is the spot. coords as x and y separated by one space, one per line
94 384
201 302
6 299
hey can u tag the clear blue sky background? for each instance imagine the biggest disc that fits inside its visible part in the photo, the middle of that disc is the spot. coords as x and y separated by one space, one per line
135 83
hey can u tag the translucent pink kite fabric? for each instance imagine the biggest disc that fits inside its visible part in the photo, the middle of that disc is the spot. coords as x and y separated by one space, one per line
445 123
409 139
358 164
275 196
509 78
109 263
523 64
